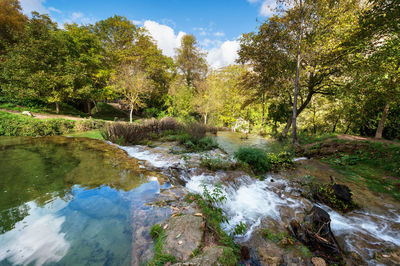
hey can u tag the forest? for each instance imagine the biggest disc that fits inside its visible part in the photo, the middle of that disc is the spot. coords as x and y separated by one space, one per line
315 67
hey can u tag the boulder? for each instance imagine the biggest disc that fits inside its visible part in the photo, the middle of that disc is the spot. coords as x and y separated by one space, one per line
184 235
318 261
28 113
210 256
315 232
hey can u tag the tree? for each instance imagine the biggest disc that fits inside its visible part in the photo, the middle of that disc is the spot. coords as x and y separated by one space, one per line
376 45
190 61
325 25
12 23
134 85
36 65
85 61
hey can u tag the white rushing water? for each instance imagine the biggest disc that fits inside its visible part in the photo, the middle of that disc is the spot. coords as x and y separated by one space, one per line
249 200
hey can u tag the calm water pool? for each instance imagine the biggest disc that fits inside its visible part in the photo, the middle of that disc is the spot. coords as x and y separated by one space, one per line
69 201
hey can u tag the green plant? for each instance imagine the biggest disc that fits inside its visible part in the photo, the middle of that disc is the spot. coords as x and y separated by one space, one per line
240 229
160 258
256 158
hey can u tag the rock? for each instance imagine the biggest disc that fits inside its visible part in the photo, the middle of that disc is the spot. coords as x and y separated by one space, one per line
318 261
190 232
315 232
244 253
342 192
210 256
28 113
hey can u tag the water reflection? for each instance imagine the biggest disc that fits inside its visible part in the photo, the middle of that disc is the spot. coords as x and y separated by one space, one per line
72 201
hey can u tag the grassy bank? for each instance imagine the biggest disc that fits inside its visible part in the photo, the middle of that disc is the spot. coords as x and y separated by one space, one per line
375 165
20 125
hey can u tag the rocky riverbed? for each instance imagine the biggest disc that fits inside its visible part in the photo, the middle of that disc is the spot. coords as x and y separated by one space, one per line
366 236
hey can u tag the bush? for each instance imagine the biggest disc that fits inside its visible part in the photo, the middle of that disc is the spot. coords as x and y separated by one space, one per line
257 159
89 124
18 125
135 133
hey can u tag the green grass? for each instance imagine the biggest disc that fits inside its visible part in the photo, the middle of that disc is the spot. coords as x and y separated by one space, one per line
160 258
93 134
21 125
375 165
108 112
37 106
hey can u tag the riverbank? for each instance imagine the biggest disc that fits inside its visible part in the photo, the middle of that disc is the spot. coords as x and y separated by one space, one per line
261 210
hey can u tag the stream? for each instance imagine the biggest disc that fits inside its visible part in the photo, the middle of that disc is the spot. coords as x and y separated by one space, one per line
71 201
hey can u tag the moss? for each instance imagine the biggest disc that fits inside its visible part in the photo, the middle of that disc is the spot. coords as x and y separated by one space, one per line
325 193
160 258
228 257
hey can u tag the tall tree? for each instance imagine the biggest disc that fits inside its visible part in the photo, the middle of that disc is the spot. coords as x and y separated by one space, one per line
134 85
12 23
191 61
36 65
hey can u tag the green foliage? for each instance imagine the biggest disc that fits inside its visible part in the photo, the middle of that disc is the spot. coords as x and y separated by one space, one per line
326 194
229 257
159 259
156 231
256 158
20 125
214 216
219 163
240 229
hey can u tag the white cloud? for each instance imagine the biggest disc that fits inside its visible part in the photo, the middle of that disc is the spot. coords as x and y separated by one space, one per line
219 34
165 36
53 9
268 8
223 55
33 5
76 15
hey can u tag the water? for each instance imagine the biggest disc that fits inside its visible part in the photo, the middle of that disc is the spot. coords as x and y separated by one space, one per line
72 201
256 203
231 141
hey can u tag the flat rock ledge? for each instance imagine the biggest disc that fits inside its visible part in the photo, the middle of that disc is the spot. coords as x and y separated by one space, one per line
184 235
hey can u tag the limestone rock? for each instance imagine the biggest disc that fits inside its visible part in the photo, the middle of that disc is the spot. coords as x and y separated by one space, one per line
318 261
28 113
186 228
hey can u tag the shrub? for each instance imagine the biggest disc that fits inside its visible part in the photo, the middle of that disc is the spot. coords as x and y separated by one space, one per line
196 130
18 125
88 124
257 159
135 133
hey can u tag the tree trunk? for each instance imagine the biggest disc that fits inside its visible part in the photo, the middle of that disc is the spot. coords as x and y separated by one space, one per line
347 128
296 84
89 107
335 124
95 106
205 119
57 107
130 113
263 115
381 125
287 127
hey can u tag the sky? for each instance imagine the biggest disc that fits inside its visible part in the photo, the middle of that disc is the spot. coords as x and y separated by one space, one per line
216 24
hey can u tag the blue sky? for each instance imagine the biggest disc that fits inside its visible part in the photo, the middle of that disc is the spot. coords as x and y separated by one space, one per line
217 24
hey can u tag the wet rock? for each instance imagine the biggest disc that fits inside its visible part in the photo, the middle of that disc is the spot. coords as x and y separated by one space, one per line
210 256
315 232
318 261
266 258
185 228
244 253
